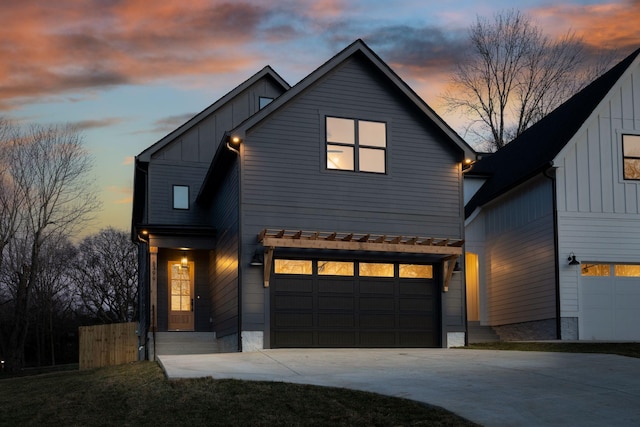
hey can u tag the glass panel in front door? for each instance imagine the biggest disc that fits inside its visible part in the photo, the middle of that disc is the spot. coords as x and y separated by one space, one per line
181 295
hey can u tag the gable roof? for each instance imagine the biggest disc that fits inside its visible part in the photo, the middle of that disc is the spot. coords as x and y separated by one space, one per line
534 150
357 46
267 71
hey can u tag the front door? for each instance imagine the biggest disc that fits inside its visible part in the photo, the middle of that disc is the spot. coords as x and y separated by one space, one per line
181 296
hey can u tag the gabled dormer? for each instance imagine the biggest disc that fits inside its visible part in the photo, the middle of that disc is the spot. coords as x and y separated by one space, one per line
160 197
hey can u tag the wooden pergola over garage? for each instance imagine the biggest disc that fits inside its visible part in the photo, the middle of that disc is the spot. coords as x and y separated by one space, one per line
448 249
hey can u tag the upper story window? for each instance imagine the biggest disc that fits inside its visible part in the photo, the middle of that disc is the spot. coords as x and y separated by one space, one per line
356 145
263 101
631 156
180 197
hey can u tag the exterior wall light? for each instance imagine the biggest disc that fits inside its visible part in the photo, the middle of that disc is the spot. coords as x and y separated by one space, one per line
233 143
572 259
258 259
184 262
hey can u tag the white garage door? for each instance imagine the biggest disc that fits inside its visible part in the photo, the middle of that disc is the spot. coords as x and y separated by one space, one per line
610 302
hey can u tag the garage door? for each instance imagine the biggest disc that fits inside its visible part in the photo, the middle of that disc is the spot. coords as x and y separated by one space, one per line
610 302
317 303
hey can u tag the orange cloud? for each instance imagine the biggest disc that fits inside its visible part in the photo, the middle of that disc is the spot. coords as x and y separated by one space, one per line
54 47
609 26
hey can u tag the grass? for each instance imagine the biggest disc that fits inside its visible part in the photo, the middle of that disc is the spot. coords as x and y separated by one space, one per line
631 349
139 394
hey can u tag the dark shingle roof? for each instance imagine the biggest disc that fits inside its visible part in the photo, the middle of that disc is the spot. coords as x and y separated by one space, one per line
532 151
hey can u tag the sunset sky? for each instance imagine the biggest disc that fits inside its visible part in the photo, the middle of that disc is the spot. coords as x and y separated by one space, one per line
127 72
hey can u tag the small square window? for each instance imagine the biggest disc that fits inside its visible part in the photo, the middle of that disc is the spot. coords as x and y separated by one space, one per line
263 101
180 197
631 156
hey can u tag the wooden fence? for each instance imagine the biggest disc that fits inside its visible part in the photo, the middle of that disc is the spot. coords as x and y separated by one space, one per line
107 345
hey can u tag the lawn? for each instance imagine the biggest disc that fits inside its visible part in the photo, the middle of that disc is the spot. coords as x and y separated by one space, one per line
139 394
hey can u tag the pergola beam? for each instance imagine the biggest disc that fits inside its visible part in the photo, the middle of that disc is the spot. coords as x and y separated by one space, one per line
448 249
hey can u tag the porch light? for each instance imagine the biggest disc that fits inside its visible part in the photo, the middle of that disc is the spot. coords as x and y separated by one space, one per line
572 259
184 262
233 143
467 164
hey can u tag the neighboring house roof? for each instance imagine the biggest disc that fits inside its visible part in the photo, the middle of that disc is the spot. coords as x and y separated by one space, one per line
145 156
534 150
358 46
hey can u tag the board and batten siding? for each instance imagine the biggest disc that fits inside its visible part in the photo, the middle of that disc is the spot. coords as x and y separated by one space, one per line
598 211
163 176
224 274
285 183
519 255
186 160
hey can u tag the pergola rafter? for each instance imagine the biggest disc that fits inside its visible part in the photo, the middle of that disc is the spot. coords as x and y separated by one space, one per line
448 249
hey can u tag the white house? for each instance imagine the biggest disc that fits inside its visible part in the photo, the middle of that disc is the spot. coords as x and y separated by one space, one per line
553 220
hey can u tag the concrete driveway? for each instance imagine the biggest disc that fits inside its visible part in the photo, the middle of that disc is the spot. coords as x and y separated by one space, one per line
492 388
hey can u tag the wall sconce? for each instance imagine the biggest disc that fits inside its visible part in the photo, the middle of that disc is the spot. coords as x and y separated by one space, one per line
258 259
572 259
233 143
184 262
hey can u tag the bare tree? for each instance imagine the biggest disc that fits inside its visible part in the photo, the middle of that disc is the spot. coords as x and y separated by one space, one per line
48 169
106 274
514 76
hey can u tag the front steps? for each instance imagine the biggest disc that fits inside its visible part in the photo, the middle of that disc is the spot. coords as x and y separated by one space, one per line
182 343
479 334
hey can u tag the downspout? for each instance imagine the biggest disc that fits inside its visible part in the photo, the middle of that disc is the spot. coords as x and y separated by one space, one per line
556 249
239 255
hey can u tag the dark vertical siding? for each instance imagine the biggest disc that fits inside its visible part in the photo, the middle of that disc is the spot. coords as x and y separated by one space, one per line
520 256
224 292
163 176
285 184
185 160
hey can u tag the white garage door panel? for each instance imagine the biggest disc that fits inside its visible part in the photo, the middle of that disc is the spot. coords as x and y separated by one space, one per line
610 308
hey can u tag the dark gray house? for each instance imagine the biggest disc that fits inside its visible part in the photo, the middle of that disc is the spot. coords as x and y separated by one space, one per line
327 214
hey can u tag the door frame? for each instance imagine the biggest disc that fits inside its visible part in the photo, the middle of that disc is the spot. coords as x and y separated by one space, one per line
189 323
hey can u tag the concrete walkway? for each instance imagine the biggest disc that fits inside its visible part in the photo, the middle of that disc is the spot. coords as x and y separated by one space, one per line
492 388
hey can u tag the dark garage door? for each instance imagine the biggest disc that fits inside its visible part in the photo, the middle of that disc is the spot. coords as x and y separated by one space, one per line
315 310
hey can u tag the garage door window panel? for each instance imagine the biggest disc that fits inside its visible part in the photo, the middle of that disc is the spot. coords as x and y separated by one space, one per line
416 271
335 268
596 270
370 269
627 270
292 266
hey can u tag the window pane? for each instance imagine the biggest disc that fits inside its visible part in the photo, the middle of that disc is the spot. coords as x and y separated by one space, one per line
340 130
369 269
175 303
631 168
372 133
595 269
339 157
631 145
627 270
371 160
180 197
335 268
292 266
416 270
264 101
